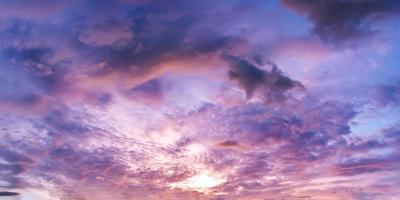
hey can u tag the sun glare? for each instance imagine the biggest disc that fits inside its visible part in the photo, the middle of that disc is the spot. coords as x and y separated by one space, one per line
201 182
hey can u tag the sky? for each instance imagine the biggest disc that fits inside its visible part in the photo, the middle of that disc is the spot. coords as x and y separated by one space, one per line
199 100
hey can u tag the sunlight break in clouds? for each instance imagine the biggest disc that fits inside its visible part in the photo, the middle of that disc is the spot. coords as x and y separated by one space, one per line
201 182
199 100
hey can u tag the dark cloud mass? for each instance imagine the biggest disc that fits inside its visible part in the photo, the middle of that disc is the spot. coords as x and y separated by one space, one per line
343 19
273 83
5 193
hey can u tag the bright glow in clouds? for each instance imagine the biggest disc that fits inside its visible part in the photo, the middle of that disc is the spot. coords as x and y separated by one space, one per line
199 100
203 181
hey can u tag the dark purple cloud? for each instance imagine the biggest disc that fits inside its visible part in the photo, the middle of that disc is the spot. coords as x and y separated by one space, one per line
344 19
273 83
151 89
6 193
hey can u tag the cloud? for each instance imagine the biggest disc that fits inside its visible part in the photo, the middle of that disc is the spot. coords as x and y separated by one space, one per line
392 132
13 157
148 91
12 166
292 136
352 167
367 145
273 83
91 71
293 139
376 154
343 19
30 10
386 95
64 57
108 33
6 193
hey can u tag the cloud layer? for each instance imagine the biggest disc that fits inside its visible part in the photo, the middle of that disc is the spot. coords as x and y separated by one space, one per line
148 99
